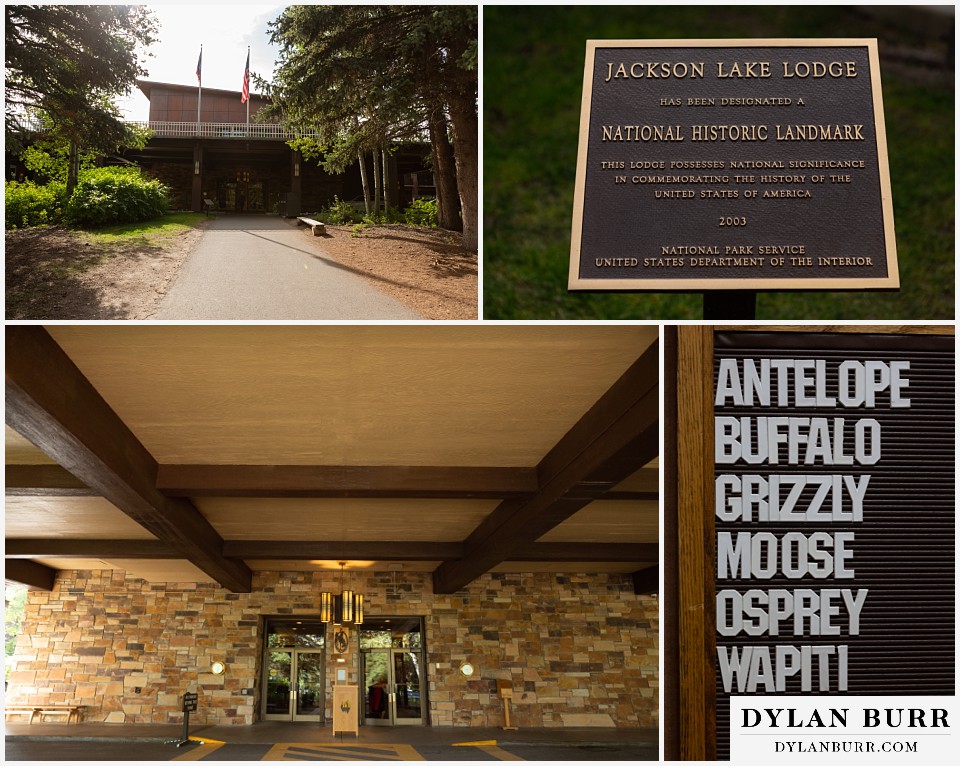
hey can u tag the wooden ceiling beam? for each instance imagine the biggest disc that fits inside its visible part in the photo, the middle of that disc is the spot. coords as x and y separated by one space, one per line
345 481
294 550
35 576
43 480
646 581
52 404
616 437
65 548
48 480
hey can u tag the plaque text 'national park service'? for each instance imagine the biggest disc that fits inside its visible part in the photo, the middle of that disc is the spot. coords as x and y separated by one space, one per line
732 164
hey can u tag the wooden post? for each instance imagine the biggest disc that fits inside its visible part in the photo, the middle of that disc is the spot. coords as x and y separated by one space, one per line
197 176
730 304
505 690
695 543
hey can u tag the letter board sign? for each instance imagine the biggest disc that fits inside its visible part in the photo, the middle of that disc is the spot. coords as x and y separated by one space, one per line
834 515
732 164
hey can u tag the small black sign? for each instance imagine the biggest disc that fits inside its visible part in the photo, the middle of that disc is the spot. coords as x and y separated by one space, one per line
190 702
732 164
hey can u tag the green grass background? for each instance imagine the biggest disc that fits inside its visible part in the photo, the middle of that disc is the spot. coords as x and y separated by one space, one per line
532 80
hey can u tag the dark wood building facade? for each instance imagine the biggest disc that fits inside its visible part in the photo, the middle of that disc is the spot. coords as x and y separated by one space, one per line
240 166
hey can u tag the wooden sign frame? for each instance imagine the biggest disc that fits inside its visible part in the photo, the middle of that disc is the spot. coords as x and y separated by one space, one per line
690 640
623 238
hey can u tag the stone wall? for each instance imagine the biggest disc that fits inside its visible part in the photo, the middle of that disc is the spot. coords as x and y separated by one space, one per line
578 650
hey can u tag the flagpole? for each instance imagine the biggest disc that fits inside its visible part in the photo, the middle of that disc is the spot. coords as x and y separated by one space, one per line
199 87
248 94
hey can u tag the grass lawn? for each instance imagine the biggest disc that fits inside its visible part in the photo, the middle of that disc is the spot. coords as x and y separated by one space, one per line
143 232
533 72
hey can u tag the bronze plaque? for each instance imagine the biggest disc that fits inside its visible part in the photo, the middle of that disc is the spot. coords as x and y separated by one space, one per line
732 164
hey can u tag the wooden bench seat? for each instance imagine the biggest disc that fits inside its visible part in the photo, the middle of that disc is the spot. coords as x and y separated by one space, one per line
70 711
317 226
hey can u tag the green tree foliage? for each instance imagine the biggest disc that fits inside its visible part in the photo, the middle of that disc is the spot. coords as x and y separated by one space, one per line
15 596
67 63
48 156
366 76
423 212
26 204
115 195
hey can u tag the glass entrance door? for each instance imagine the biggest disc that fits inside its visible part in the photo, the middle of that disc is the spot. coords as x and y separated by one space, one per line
392 680
279 673
302 701
406 687
308 704
294 671
391 653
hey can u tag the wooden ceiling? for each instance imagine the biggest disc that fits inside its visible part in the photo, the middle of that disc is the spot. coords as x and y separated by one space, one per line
193 452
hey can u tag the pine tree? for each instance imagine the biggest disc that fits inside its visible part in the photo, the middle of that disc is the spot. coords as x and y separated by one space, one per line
369 76
67 63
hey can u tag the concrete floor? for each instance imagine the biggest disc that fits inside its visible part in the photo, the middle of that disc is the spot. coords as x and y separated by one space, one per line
270 732
290 741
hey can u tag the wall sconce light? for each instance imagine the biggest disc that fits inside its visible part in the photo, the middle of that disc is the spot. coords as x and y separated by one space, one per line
467 669
196 167
296 168
217 668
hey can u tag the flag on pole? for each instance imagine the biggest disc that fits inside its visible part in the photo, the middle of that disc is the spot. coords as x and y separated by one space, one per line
245 96
199 63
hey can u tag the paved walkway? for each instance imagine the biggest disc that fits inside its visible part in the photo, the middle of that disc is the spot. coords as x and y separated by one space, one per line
263 267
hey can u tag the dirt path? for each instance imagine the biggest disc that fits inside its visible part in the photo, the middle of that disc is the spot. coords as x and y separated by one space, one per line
425 269
55 273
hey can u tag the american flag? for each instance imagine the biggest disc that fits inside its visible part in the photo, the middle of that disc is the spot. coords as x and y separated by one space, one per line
199 62
245 96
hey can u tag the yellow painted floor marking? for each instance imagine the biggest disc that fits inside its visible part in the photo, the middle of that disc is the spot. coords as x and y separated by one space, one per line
205 741
201 751
315 751
478 743
499 753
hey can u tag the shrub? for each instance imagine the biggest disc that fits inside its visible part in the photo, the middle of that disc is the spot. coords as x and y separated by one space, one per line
422 212
27 204
339 212
115 195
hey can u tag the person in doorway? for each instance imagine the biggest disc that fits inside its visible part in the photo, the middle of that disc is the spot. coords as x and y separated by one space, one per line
377 698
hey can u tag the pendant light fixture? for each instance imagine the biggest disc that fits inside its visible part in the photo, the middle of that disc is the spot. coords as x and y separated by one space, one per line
326 606
345 609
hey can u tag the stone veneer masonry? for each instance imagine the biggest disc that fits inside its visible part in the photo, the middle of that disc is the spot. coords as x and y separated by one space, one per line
578 650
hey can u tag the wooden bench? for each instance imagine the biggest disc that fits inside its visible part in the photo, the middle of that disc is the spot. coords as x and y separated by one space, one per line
70 711
318 228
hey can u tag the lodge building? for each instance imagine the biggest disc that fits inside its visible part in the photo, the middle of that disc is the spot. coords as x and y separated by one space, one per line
248 167
180 500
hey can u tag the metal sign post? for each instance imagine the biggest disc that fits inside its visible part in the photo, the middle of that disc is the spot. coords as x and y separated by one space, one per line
189 706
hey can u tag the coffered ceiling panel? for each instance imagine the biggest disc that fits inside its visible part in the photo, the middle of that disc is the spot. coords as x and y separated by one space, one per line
499 396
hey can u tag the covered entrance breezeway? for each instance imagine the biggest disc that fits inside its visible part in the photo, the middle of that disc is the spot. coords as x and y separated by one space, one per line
179 498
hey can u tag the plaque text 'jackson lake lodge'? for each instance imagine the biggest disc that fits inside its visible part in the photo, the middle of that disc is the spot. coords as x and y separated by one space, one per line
732 164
